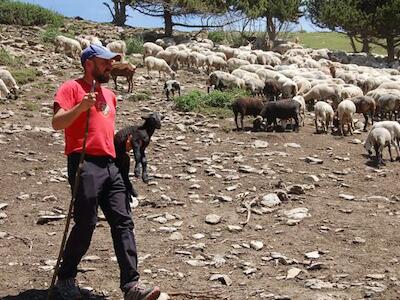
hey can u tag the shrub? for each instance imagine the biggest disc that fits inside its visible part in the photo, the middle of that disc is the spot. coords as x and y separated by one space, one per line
142 95
134 45
24 75
216 36
18 13
200 101
50 34
6 58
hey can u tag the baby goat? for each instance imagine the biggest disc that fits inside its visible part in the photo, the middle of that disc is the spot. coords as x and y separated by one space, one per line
170 87
136 138
123 69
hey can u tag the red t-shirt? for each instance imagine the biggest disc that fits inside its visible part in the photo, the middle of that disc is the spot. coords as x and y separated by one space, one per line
100 140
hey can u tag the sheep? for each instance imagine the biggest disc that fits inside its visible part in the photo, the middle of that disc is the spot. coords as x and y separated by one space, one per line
117 47
387 103
153 63
283 109
288 87
379 138
254 85
151 49
94 40
216 62
9 81
345 112
365 105
4 91
228 51
221 80
136 138
83 41
171 86
390 85
349 91
271 90
197 60
323 92
182 58
234 63
70 46
123 69
169 56
324 112
300 99
246 106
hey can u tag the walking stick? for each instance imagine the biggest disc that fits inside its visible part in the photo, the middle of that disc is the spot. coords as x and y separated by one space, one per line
71 205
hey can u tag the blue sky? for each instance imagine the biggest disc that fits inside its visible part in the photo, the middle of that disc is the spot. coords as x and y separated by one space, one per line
94 10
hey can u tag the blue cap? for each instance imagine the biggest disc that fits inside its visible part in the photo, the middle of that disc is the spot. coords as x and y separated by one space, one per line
98 51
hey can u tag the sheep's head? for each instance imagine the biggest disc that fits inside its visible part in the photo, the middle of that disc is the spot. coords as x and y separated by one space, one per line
257 123
153 120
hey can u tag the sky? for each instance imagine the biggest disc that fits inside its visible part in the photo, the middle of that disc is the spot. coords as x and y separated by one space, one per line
94 10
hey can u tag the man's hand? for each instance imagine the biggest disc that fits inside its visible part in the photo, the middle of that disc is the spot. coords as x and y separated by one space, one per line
88 101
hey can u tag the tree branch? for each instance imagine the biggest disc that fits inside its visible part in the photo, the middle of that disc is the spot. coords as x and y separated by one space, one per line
148 13
109 8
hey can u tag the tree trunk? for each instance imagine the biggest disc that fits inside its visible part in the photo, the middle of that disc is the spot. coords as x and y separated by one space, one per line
271 30
168 25
119 18
365 45
353 44
390 47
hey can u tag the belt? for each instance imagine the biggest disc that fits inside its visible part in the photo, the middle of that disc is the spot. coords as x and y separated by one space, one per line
92 158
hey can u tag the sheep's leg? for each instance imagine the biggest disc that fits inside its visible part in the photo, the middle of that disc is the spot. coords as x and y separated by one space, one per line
396 147
236 121
138 158
390 152
115 83
145 175
316 125
179 92
241 120
296 124
366 121
123 163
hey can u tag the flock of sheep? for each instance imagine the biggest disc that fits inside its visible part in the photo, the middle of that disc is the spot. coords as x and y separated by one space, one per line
284 82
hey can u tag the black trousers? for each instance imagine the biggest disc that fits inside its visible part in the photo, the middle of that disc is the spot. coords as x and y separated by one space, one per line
101 185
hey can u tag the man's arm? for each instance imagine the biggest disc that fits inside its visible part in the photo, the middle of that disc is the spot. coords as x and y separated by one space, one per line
63 118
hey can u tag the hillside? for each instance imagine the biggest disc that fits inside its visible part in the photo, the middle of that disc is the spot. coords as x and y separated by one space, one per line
323 220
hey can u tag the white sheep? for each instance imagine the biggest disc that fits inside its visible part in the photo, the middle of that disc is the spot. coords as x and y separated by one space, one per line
323 92
94 40
9 81
83 41
169 56
216 62
302 102
70 47
151 49
4 91
117 47
345 113
197 60
379 138
153 63
393 127
324 113
221 80
234 63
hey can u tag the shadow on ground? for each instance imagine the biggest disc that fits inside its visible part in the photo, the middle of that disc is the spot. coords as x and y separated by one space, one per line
34 294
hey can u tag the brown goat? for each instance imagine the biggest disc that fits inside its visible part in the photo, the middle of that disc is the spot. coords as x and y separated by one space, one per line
123 69
246 106
365 105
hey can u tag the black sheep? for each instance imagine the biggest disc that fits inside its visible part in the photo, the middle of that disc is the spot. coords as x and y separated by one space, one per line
246 106
136 138
271 90
283 109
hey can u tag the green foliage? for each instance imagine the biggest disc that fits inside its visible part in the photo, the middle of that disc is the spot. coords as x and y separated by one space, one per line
217 36
24 75
30 106
141 95
50 34
18 13
216 101
134 45
6 58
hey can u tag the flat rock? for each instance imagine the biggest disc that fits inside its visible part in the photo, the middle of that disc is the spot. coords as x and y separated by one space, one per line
293 272
3 205
317 284
312 178
347 197
314 161
376 276
270 200
235 228
223 198
91 258
176 236
197 263
256 245
260 144
46 219
213 219
3 234
312 255
297 213
224 279
292 145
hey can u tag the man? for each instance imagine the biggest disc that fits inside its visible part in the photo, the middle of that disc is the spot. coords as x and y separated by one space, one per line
100 183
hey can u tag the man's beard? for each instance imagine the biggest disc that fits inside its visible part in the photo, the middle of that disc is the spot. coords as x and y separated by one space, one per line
101 78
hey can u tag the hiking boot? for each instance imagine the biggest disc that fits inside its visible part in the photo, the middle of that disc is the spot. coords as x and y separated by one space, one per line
140 292
68 289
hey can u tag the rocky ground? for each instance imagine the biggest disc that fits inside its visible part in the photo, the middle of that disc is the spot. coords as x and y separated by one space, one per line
324 222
